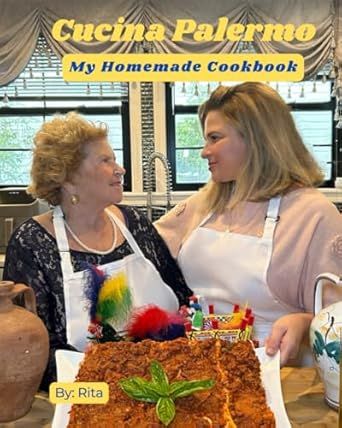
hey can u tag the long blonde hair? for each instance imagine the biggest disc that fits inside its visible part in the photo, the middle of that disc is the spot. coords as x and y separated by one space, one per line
277 159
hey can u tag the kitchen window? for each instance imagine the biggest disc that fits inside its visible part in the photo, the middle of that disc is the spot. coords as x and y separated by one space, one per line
37 94
312 109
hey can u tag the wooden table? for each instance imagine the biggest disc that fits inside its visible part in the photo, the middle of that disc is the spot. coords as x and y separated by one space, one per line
302 391
304 402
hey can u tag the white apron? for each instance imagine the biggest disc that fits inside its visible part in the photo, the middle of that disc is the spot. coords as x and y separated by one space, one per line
146 285
226 268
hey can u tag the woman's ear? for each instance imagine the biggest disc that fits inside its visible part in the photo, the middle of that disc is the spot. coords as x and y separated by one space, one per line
69 187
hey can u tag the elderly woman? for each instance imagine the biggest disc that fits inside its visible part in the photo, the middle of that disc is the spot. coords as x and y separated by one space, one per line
75 170
258 232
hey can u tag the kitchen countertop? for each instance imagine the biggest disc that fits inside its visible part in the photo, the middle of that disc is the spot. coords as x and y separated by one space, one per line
302 391
304 401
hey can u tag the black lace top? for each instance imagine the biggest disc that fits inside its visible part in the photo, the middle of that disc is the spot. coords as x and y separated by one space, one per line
32 258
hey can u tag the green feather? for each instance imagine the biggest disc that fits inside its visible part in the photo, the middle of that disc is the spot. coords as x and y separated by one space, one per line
115 300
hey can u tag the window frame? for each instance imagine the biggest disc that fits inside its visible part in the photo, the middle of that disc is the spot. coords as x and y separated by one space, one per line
123 110
172 110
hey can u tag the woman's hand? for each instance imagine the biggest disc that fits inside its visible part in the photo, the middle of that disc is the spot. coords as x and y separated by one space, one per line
287 334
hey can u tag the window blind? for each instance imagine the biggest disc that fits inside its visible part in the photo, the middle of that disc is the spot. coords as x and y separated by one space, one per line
42 77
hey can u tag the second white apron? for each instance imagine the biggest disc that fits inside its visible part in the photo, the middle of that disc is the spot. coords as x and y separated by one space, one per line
226 268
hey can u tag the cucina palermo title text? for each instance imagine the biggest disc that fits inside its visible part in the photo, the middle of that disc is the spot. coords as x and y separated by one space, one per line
69 29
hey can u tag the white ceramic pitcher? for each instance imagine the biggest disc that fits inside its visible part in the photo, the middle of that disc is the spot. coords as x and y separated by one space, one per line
325 339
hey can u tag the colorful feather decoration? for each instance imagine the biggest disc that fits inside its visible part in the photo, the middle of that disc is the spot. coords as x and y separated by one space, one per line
114 302
110 307
109 300
152 322
95 278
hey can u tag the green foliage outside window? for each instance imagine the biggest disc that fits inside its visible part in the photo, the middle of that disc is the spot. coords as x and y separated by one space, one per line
190 166
16 135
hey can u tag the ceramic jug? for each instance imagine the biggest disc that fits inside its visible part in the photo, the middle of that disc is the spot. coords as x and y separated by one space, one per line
325 340
24 349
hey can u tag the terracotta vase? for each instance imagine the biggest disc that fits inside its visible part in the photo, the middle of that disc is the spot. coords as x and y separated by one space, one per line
24 349
326 340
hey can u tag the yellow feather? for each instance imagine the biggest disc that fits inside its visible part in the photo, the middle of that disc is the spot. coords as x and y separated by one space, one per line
114 288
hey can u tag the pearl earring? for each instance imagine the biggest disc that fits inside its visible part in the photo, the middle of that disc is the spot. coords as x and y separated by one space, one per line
75 199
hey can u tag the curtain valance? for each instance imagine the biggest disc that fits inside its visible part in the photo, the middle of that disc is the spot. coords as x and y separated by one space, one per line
22 21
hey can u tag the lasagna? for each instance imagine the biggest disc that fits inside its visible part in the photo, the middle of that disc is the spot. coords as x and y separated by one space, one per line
237 398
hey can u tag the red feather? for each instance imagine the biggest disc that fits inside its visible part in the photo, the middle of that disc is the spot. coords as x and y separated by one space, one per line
149 320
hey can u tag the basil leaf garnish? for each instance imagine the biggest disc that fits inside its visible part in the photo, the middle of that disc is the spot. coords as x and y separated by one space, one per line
166 410
183 388
159 377
159 391
139 389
